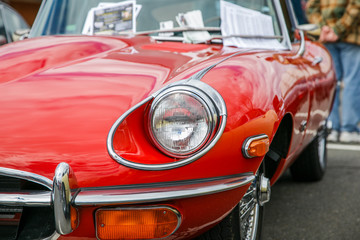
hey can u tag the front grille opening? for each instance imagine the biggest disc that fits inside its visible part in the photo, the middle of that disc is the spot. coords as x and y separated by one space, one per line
9 221
36 223
33 222
9 184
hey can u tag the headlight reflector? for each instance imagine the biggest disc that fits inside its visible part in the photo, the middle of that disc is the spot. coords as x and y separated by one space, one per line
181 122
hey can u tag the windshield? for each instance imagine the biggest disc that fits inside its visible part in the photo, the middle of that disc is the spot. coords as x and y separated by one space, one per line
69 17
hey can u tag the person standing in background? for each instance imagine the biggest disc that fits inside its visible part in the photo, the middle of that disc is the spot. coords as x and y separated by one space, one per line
339 21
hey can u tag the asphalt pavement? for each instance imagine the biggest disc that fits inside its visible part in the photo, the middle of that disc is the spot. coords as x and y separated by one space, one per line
324 210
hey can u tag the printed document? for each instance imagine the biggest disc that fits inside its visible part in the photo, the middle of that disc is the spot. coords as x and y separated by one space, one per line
237 20
110 18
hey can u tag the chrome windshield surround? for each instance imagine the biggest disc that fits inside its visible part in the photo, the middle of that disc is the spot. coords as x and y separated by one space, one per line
178 215
192 83
208 105
286 40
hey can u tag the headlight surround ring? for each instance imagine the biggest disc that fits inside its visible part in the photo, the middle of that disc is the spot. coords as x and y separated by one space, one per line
181 121
190 84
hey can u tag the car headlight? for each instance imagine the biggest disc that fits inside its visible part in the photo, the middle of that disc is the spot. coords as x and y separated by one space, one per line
182 121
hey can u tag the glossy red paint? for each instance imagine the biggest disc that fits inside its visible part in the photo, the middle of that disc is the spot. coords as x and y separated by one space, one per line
59 107
63 112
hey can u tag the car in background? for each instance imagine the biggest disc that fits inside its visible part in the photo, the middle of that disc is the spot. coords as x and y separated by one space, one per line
158 119
10 22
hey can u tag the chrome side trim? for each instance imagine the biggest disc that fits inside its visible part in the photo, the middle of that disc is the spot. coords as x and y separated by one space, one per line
32 177
65 183
199 75
33 199
145 195
213 95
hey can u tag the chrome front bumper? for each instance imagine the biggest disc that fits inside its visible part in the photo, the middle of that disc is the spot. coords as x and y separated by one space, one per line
64 192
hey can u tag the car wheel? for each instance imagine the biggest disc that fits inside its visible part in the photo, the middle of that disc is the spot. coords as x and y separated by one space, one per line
311 164
245 221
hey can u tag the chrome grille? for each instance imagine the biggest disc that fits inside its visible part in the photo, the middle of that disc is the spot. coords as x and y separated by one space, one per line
20 222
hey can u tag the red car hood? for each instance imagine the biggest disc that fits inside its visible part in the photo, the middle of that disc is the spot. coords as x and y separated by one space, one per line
59 96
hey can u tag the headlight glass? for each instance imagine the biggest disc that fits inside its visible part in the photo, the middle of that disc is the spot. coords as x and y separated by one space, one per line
181 123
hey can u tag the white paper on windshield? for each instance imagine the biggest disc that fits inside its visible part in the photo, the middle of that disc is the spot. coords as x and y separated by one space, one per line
237 20
165 25
108 4
110 18
193 19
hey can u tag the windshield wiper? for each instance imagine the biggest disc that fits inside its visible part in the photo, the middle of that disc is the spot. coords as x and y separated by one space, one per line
209 29
247 36
180 29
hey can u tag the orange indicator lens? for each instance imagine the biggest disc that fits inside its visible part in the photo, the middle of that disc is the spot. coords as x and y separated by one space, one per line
74 218
136 223
258 148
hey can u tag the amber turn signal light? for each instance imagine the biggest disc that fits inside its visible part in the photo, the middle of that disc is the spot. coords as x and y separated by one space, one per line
74 218
256 146
136 223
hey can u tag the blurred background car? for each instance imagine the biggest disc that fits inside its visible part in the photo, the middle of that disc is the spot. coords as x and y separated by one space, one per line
12 24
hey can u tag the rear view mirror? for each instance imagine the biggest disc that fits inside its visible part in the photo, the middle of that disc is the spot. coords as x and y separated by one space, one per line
308 27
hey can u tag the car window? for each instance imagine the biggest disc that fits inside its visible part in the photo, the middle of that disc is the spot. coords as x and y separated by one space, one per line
2 28
68 17
13 21
263 6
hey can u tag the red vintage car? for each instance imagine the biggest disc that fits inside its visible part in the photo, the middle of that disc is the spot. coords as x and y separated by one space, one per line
157 119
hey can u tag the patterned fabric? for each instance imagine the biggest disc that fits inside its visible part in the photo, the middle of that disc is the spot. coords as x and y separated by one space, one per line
342 15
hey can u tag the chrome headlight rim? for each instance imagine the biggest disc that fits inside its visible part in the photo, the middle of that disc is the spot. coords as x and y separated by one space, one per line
211 113
193 83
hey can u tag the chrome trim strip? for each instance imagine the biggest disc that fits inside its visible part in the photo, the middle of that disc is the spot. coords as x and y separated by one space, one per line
248 141
177 213
202 72
34 199
146 195
198 85
32 177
